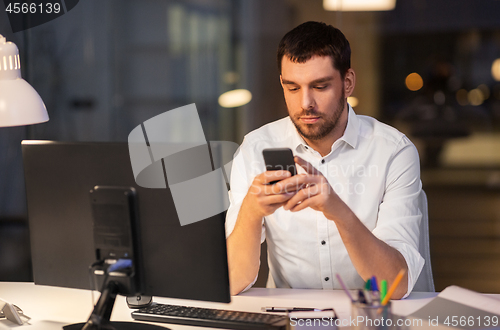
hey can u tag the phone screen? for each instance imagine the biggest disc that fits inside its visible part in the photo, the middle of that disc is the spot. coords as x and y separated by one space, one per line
279 159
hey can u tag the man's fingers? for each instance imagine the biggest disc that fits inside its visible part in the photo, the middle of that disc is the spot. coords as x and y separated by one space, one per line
278 199
304 204
270 176
306 166
301 197
298 182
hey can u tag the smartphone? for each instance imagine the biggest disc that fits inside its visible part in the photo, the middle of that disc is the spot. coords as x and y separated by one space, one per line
279 159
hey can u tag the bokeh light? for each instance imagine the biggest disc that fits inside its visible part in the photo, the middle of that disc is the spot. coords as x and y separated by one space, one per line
414 81
485 90
235 98
476 97
353 101
495 69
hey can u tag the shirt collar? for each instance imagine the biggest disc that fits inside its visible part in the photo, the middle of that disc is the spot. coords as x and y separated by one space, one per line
298 141
352 130
350 134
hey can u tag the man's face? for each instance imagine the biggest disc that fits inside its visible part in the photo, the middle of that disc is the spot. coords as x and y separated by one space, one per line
314 95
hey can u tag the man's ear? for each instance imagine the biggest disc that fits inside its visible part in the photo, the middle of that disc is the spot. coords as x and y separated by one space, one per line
349 82
281 82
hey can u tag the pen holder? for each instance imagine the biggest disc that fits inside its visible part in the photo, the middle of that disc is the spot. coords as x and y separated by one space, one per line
372 317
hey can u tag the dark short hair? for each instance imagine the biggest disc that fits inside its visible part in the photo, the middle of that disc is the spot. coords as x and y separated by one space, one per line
316 38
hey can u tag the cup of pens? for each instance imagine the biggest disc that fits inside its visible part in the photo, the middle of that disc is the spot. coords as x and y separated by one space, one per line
372 309
370 316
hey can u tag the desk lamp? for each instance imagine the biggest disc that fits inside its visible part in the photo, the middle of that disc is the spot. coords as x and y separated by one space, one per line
20 104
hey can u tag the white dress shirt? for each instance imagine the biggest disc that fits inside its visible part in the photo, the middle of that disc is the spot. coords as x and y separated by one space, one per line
373 168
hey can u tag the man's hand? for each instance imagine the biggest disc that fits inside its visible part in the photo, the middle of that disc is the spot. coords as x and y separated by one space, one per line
264 198
315 191
243 245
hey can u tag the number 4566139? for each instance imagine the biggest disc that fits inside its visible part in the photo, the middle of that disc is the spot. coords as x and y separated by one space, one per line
33 8
471 321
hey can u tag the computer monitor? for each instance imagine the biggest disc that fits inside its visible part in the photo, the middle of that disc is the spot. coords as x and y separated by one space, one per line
188 262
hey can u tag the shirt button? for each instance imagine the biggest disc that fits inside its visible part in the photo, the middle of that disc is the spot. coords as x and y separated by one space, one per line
322 161
327 278
323 242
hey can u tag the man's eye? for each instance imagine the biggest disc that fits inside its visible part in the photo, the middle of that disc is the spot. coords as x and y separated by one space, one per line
293 89
321 87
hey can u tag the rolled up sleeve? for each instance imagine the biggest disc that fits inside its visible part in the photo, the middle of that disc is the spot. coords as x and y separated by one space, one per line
399 217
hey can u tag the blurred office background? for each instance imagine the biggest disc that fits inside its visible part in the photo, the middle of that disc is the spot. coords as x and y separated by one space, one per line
429 67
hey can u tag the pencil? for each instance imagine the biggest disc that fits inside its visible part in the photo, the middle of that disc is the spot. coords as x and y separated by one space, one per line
344 287
393 287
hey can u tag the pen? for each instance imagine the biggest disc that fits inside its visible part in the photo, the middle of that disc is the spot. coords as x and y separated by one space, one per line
343 286
289 309
374 293
383 289
373 283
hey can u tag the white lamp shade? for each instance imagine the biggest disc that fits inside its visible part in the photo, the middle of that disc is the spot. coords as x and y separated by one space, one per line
20 104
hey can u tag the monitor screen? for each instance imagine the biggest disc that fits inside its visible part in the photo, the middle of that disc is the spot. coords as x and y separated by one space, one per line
188 262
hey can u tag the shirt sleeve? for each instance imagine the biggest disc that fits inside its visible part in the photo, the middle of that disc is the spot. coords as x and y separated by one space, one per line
238 189
239 183
399 216
241 177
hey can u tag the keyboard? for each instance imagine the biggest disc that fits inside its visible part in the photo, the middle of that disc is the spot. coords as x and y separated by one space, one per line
212 318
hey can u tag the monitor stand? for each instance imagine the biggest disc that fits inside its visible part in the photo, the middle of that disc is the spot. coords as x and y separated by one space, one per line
100 317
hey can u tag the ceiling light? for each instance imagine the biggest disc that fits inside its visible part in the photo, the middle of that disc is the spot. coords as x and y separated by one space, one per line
359 5
235 98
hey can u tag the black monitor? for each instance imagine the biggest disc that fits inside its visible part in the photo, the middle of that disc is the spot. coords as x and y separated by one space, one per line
188 262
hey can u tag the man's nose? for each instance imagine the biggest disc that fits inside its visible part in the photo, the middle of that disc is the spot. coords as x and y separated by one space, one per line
307 100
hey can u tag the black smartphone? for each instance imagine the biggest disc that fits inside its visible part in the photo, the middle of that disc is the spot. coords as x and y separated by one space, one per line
279 159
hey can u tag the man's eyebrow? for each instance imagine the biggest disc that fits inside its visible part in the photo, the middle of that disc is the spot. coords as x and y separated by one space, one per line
321 80
288 82
317 81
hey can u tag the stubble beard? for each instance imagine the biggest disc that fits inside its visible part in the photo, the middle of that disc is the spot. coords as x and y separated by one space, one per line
314 132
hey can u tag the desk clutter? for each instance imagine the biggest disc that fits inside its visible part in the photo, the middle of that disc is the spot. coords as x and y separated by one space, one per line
371 295
52 308
372 308
12 313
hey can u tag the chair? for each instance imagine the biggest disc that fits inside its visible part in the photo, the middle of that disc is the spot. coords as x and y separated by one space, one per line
425 282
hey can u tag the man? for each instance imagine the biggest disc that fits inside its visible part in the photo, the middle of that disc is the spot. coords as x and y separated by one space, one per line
351 209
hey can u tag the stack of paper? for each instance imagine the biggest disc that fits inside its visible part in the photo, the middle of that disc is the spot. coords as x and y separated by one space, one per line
461 308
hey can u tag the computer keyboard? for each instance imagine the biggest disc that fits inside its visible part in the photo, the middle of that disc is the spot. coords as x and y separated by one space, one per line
213 318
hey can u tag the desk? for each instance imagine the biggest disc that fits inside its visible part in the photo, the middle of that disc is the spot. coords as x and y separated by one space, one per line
52 307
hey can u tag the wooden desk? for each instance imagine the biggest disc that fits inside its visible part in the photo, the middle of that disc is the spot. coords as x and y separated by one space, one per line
52 307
